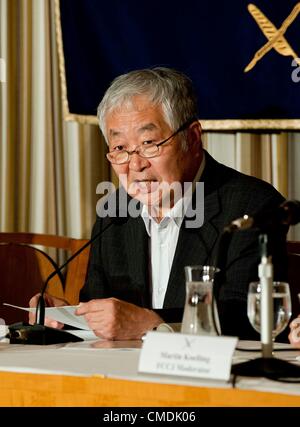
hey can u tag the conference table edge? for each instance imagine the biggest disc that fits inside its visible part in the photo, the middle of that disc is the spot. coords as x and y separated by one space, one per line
40 390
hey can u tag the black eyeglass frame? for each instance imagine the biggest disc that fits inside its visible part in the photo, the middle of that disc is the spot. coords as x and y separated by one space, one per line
129 153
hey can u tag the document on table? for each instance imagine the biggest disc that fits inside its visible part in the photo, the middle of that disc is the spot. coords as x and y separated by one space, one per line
65 314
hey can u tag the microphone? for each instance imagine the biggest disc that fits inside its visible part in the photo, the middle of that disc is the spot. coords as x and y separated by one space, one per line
288 213
24 333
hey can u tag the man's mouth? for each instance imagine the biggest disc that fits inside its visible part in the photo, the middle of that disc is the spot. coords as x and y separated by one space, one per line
146 186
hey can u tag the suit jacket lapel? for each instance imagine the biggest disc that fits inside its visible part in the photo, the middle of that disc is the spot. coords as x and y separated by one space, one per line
138 259
195 245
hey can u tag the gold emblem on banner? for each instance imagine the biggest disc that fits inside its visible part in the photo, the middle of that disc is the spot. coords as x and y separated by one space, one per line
276 39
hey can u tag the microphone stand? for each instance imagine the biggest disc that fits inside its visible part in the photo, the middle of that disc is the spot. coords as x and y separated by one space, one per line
24 333
265 274
220 265
267 366
40 308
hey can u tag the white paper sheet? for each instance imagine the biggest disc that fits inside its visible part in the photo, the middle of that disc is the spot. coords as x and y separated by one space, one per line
63 314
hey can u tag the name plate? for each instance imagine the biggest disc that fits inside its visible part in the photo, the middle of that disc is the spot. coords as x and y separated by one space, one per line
187 355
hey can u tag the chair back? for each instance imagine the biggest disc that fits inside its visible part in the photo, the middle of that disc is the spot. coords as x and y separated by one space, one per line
24 269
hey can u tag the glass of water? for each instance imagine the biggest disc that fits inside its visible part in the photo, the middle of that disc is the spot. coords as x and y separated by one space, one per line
282 309
200 315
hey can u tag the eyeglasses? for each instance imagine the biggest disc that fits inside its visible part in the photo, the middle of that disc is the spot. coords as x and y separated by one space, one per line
148 151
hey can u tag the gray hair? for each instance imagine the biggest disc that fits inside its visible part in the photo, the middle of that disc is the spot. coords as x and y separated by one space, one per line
163 86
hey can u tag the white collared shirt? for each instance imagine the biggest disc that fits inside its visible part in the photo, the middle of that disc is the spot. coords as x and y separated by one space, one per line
163 241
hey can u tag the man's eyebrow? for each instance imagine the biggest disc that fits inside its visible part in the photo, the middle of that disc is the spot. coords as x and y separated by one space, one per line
113 132
148 126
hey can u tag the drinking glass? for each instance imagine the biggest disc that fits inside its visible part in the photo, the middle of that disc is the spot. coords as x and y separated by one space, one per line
281 306
198 315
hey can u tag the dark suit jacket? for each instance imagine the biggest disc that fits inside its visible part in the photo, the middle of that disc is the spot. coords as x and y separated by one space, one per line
119 259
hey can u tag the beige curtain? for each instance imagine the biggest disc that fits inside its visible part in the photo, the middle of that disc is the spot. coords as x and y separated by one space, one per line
264 155
49 170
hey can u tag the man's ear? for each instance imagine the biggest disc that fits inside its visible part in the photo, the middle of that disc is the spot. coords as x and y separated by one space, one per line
194 134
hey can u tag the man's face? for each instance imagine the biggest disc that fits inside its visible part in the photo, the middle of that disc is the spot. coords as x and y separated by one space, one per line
131 127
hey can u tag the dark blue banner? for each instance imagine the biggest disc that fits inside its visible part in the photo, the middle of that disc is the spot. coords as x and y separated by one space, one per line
242 57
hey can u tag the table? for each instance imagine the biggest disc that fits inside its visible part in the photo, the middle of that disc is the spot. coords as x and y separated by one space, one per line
20 389
106 375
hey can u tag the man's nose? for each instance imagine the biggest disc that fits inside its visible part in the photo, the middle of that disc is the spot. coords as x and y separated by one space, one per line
138 163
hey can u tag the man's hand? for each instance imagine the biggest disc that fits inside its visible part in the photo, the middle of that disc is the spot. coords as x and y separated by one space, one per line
50 301
294 335
113 319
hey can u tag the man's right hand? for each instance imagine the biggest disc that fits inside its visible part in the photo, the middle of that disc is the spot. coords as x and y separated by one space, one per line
50 301
294 335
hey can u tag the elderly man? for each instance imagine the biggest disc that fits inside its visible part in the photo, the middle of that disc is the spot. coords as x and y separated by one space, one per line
136 274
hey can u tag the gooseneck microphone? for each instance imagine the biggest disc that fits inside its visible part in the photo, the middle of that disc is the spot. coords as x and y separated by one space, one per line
24 333
40 308
288 213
